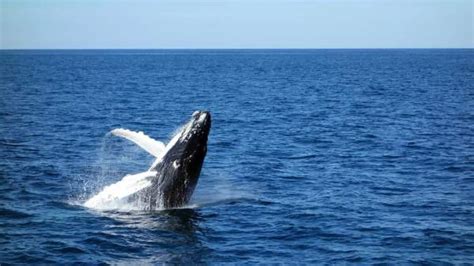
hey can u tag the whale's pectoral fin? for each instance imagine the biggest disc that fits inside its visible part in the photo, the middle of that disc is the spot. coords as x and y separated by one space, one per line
150 145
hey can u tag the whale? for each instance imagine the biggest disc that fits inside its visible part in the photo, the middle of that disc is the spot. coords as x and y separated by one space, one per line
171 179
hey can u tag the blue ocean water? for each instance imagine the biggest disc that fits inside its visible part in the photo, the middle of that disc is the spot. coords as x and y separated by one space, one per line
315 156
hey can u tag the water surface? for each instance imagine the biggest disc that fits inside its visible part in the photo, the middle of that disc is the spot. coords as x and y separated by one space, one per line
315 156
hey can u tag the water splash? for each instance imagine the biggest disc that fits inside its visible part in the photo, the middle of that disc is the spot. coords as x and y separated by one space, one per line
116 196
100 189
125 195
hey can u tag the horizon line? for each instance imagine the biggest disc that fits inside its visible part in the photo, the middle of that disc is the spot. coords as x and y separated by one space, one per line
257 48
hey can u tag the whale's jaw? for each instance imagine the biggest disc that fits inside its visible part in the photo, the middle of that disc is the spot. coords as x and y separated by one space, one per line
179 169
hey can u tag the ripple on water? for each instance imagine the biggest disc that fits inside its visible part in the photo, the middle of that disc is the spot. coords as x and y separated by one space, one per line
13 214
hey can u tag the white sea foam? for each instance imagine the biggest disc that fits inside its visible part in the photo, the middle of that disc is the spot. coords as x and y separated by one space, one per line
116 195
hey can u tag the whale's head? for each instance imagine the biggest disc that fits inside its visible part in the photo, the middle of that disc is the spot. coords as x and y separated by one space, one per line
193 140
181 166
197 129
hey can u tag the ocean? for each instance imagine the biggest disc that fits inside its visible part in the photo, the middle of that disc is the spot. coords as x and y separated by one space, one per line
314 156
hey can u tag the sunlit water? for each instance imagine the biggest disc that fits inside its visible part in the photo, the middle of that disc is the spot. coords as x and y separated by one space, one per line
333 156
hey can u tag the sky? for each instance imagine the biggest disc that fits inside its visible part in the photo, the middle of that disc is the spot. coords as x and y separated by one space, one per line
140 24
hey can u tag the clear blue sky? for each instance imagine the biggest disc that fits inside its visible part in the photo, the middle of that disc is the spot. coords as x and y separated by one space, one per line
236 24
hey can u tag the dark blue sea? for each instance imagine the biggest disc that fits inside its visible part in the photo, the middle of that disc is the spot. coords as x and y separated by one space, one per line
314 156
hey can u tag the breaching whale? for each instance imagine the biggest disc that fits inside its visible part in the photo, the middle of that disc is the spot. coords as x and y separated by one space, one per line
170 181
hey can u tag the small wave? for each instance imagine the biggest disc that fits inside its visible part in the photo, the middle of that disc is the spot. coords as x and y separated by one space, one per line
62 248
70 250
455 169
67 205
106 242
12 214
222 201
12 143
224 144
390 191
468 179
308 156
391 156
